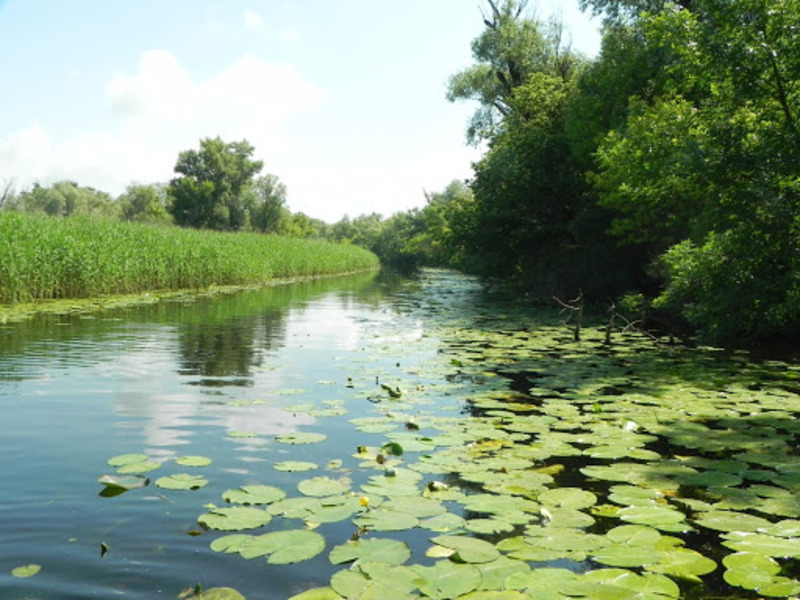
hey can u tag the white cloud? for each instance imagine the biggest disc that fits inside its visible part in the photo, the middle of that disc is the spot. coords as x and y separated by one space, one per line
253 21
159 111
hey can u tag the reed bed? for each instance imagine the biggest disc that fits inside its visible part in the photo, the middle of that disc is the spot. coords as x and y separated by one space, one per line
46 258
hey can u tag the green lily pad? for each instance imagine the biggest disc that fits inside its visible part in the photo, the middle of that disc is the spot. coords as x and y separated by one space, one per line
295 466
392 552
446 579
26 570
284 547
139 467
193 461
382 519
130 482
220 593
235 518
230 544
468 549
763 544
654 515
299 437
126 459
683 562
242 434
375 581
323 486
722 520
574 498
324 593
182 481
254 494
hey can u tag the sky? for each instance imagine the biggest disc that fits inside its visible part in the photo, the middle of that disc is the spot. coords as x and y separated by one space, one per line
343 100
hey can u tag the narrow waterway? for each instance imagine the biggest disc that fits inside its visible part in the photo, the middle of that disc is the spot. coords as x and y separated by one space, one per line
388 409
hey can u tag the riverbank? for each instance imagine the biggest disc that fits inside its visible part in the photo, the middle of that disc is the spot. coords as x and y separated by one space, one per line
50 259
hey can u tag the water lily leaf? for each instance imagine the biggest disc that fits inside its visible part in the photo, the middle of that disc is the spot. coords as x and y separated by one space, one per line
139 467
620 555
182 481
468 549
126 459
496 572
193 461
254 494
541 583
444 523
489 526
26 570
382 519
684 563
415 505
654 515
295 466
220 593
763 544
300 437
574 498
495 595
722 520
446 579
284 547
230 544
131 482
565 517
634 535
235 518
323 486
376 581
325 593
393 552
242 434
781 587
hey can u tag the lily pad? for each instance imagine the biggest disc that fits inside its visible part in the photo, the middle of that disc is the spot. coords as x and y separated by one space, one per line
193 461
295 466
126 459
446 579
235 518
468 549
26 570
254 494
284 547
323 486
182 481
220 593
300 437
393 552
116 482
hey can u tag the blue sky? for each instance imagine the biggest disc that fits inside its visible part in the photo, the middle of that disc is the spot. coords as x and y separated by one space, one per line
344 100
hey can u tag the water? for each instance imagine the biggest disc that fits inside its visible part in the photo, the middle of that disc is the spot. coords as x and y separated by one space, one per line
223 377
174 379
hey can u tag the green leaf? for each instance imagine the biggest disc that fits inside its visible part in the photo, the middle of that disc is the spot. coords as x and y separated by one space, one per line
254 494
181 481
295 466
126 459
323 486
284 547
193 461
220 593
230 544
26 570
115 482
235 518
393 552
325 593
446 579
381 519
468 549
298 438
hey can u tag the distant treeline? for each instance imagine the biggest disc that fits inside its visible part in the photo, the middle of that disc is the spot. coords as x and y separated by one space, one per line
662 176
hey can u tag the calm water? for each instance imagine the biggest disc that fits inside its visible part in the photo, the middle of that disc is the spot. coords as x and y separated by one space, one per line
176 379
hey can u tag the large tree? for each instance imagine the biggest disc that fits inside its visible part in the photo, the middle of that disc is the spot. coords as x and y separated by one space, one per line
213 184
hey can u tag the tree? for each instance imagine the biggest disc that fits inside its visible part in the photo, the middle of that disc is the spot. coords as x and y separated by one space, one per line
627 10
509 51
66 198
211 189
145 204
268 207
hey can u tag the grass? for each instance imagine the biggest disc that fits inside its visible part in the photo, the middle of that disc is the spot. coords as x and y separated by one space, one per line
45 258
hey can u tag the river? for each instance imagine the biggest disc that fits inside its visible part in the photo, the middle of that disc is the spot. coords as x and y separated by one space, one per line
419 399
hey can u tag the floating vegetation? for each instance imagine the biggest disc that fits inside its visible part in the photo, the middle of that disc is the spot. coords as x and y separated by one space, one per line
575 470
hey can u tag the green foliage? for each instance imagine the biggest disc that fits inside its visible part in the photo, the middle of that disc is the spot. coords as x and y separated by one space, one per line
211 189
43 258
64 199
145 204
